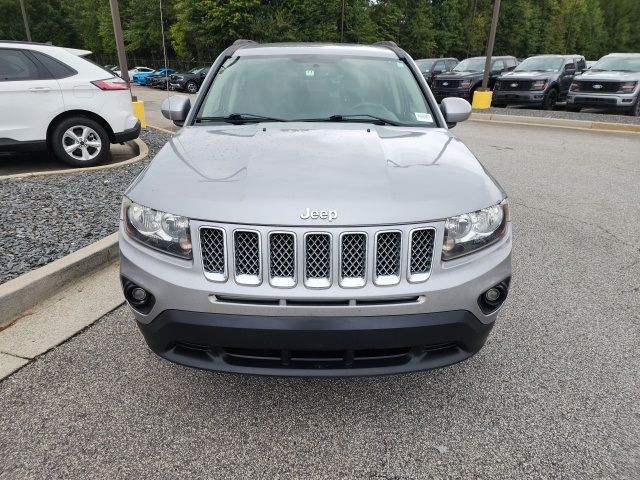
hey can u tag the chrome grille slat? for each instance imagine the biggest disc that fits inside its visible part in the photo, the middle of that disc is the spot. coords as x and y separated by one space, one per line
387 263
353 259
282 259
421 254
212 244
247 257
317 260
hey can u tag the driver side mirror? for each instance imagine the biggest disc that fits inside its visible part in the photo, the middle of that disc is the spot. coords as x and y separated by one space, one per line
176 108
455 110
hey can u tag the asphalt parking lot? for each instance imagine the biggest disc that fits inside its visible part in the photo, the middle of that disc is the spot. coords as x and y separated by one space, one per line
554 393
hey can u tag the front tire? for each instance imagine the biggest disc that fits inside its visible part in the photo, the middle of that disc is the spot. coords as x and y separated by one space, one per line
191 87
635 110
550 99
80 142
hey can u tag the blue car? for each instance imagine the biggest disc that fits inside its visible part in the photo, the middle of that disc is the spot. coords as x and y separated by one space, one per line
141 78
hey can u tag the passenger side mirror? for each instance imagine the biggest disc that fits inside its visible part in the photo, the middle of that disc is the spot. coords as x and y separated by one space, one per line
455 110
176 108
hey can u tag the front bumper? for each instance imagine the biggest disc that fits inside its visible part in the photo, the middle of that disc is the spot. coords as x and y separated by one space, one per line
427 325
602 100
307 346
523 97
177 85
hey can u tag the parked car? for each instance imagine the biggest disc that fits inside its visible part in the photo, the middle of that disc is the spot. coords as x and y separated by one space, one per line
541 80
466 77
190 81
141 77
59 100
430 67
612 83
134 70
304 221
158 81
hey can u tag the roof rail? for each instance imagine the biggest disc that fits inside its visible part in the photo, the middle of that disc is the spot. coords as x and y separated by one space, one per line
238 44
393 46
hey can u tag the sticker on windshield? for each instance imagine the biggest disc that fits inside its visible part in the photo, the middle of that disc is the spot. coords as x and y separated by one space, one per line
310 73
423 117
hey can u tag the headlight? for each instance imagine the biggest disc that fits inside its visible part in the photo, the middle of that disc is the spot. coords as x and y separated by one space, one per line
179 77
539 85
627 87
470 232
163 231
465 83
575 86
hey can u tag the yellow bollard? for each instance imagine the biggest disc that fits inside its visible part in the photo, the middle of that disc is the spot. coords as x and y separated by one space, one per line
138 111
481 100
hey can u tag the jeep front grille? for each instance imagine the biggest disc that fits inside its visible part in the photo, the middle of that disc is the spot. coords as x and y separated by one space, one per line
421 255
387 264
213 253
351 259
317 260
247 257
282 259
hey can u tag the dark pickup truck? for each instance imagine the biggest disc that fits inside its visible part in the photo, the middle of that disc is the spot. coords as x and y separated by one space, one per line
466 77
430 67
540 80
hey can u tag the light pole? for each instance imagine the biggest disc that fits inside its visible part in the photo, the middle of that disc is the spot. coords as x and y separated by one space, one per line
490 43
26 22
117 30
342 23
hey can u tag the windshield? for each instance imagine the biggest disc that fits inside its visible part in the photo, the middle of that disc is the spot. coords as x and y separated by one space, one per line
424 65
470 65
619 64
316 87
540 64
195 70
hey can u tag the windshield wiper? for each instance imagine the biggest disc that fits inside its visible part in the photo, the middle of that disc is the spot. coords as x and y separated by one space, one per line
240 118
352 116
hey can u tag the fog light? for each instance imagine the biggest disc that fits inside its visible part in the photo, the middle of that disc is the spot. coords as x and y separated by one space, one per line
139 299
491 295
494 297
139 294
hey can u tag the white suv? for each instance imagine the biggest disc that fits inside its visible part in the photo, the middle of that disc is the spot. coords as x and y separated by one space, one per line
52 97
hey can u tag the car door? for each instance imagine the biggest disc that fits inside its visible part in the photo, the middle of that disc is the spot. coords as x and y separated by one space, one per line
29 96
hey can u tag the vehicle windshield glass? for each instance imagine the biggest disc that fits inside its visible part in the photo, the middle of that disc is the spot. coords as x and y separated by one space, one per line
470 65
424 65
620 64
316 87
540 64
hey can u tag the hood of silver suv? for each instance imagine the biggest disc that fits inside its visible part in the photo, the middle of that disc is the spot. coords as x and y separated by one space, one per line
271 173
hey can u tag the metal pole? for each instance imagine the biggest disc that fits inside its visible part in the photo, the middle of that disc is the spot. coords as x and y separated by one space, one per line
342 23
490 43
26 22
117 30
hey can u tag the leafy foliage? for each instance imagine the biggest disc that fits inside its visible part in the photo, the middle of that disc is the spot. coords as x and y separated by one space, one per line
200 29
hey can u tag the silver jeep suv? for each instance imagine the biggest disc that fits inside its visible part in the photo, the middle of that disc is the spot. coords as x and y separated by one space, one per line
315 217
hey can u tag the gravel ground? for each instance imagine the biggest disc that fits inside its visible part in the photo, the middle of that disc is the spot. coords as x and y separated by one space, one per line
553 395
586 115
45 218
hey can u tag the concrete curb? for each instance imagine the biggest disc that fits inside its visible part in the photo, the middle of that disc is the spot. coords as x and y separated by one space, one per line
19 295
143 151
162 129
556 122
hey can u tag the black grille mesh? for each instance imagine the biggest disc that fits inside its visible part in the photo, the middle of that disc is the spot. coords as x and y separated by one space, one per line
282 262
212 244
317 255
421 251
353 255
388 254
